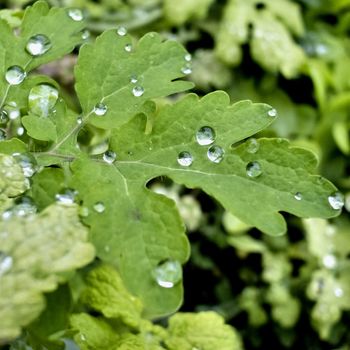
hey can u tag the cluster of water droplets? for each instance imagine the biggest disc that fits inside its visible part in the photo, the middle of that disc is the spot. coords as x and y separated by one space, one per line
66 196
168 273
27 162
187 68
23 207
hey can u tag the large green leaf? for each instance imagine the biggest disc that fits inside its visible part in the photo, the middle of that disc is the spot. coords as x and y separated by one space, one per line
35 252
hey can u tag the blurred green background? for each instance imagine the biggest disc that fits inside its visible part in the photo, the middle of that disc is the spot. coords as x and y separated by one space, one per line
279 292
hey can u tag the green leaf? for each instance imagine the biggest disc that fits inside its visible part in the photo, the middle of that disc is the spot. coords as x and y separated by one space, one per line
39 128
94 333
106 293
271 45
179 12
204 330
12 180
38 250
105 69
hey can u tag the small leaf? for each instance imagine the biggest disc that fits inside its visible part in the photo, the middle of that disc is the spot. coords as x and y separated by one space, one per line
39 128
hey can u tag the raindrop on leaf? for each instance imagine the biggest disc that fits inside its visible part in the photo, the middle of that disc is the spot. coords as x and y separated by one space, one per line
215 154
38 44
15 75
205 136
185 158
168 273
253 169
138 91
100 109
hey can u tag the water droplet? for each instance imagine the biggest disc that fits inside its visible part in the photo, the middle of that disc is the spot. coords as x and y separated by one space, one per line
85 34
336 200
133 79
15 75
109 157
138 91
12 110
24 206
215 154
205 136
20 131
253 169
100 109
99 207
66 197
2 135
188 57
168 273
329 261
6 263
128 47
3 117
272 113
298 196
186 70
185 158
76 14
27 163
38 44
79 120
122 31
42 98
252 146
338 292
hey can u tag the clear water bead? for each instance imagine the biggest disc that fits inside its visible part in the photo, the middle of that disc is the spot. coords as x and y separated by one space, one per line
185 158
168 273
215 154
138 91
128 47
12 110
24 206
122 31
20 131
15 75
6 263
76 14
272 113
329 261
99 207
188 57
205 136
66 197
298 196
253 146
27 163
186 70
2 135
4 118
42 98
85 34
109 157
338 292
336 200
253 169
100 109
133 79
79 120
38 44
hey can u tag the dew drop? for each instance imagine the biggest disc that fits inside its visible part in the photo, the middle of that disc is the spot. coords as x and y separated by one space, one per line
253 169
27 163
38 44
12 110
6 263
252 146
336 200
42 98
66 197
15 75
186 69
122 31
20 131
128 47
138 91
2 135
338 292
99 207
133 79
272 112
85 34
298 196
3 117
329 261
185 158
100 109
109 157
215 154
168 273
188 57
79 120
76 14
205 136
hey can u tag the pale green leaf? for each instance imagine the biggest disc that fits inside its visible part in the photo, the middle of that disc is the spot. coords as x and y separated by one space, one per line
39 128
38 250
105 292
204 330
105 69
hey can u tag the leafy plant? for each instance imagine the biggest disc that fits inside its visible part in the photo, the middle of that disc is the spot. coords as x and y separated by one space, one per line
98 165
